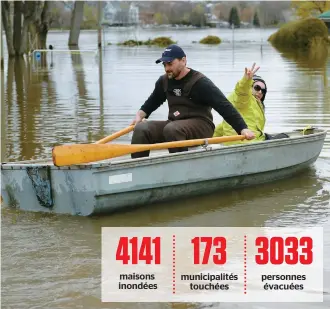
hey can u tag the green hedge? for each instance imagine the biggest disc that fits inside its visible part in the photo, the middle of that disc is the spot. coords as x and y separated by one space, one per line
210 39
302 34
159 41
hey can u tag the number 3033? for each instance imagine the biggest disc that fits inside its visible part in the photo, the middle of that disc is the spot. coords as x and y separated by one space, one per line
280 250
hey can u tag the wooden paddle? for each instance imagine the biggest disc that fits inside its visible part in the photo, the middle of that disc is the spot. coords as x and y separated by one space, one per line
84 153
115 135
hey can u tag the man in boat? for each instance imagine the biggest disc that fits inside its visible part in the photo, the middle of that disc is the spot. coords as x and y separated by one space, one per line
248 98
191 97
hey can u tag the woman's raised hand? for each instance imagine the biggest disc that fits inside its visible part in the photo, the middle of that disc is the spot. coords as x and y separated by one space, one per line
250 72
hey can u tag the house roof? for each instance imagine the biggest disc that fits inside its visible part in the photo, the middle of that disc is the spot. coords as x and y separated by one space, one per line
325 15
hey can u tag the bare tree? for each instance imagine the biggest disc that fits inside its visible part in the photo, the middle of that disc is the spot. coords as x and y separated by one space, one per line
36 24
27 33
76 19
6 13
17 36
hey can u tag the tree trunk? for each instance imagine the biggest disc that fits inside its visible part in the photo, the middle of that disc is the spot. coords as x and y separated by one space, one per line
76 19
18 8
30 37
25 43
7 25
33 34
36 25
45 23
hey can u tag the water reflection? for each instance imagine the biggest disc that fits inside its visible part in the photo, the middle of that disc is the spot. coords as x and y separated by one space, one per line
314 63
101 128
78 70
303 96
3 117
84 99
27 92
34 105
311 88
312 60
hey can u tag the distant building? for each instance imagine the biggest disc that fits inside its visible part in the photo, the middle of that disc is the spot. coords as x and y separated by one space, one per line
147 17
326 18
288 15
212 19
120 14
209 8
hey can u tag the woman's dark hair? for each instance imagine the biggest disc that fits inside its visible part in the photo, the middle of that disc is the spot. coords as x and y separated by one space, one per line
258 78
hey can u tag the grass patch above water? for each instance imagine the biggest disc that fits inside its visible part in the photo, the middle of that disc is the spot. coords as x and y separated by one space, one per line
302 34
210 39
159 41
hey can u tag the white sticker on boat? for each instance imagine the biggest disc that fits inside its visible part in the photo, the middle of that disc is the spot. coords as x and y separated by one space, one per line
120 178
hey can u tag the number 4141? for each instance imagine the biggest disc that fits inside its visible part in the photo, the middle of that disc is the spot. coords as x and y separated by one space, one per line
130 251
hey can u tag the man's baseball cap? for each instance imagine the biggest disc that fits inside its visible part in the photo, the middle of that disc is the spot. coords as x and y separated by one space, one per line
170 53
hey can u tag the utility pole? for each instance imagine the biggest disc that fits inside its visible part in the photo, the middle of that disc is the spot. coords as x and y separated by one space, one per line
99 30
2 56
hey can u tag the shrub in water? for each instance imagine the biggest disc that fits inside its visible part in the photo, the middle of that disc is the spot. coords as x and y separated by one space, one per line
131 43
160 41
210 39
300 34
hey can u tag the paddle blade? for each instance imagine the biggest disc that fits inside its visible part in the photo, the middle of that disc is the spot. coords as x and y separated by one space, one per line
85 153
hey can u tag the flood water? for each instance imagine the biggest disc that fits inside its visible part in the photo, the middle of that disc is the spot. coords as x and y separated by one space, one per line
53 261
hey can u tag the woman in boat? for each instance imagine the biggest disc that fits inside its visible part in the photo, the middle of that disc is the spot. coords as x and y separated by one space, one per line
248 98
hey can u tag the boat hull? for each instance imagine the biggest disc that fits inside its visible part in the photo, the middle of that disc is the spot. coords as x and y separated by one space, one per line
101 188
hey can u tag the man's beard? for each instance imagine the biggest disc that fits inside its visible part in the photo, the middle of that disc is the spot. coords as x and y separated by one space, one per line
170 75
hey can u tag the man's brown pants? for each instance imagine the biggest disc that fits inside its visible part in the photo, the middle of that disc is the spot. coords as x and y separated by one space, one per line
151 132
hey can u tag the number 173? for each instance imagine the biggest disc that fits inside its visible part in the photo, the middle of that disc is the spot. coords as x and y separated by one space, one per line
218 243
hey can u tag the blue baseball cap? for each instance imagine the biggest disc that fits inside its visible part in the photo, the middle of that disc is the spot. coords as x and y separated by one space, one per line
170 53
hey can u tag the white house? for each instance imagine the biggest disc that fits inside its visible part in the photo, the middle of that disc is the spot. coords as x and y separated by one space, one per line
120 13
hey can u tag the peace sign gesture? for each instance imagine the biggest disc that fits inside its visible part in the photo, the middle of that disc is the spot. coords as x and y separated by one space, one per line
250 72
